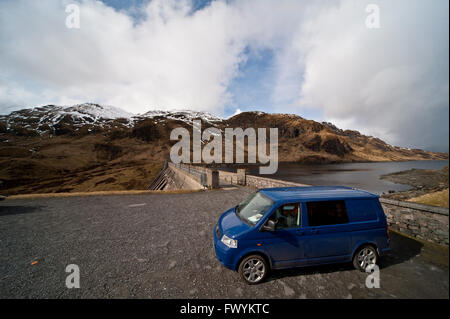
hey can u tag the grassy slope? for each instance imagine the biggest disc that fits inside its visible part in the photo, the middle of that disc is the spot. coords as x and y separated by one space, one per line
435 198
67 164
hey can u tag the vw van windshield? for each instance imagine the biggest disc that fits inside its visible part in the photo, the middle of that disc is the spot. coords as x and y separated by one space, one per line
253 208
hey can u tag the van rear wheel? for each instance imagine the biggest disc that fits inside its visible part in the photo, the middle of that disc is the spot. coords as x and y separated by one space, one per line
365 256
253 269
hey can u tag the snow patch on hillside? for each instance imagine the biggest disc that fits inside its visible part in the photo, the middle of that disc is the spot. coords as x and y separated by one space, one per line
98 111
42 117
182 115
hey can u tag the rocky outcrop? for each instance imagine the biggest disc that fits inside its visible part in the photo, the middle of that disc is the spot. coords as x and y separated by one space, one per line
314 144
337 147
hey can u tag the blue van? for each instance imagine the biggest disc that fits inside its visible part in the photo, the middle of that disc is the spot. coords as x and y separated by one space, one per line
277 228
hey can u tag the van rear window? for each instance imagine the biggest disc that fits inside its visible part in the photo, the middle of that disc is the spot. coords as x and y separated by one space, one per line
327 213
360 210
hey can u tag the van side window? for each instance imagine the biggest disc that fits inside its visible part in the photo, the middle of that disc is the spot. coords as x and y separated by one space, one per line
287 216
361 210
327 213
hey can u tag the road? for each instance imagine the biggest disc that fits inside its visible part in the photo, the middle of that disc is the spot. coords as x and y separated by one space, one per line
160 246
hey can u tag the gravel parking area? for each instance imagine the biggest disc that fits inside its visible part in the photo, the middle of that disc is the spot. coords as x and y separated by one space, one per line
160 246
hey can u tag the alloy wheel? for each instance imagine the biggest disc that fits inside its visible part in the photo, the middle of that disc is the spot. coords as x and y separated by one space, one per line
253 270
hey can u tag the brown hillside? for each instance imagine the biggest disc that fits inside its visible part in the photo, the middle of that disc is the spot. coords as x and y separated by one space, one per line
39 154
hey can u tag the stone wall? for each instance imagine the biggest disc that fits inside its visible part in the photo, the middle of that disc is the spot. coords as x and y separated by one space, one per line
186 179
195 171
421 221
228 177
264 182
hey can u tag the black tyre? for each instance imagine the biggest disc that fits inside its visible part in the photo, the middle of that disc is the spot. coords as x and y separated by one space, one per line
365 255
253 269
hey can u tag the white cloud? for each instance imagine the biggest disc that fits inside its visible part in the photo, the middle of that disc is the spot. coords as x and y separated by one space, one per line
379 81
171 59
390 82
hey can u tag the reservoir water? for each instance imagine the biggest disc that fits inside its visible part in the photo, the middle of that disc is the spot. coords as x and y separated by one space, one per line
359 175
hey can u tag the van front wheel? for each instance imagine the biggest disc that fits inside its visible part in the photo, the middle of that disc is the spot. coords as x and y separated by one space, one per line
364 257
253 269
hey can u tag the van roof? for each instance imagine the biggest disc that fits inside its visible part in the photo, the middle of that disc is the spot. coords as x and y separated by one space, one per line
306 193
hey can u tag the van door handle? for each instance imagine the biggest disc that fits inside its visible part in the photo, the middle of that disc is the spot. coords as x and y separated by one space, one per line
314 231
299 232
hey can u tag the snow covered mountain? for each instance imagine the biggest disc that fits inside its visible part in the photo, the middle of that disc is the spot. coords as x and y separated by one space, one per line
181 115
50 118
300 139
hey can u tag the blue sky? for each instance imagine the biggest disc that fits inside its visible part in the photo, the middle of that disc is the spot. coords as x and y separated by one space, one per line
251 88
126 5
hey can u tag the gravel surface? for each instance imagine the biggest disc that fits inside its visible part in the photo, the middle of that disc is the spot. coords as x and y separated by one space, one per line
160 246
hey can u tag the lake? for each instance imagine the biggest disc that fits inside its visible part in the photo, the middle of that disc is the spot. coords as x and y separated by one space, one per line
359 175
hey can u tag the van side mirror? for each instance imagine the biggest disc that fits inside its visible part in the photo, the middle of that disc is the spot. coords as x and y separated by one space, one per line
269 226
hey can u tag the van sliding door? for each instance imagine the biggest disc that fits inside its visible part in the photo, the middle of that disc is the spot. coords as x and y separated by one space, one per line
327 236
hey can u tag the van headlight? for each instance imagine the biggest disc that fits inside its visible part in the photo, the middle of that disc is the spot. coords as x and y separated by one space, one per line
232 243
